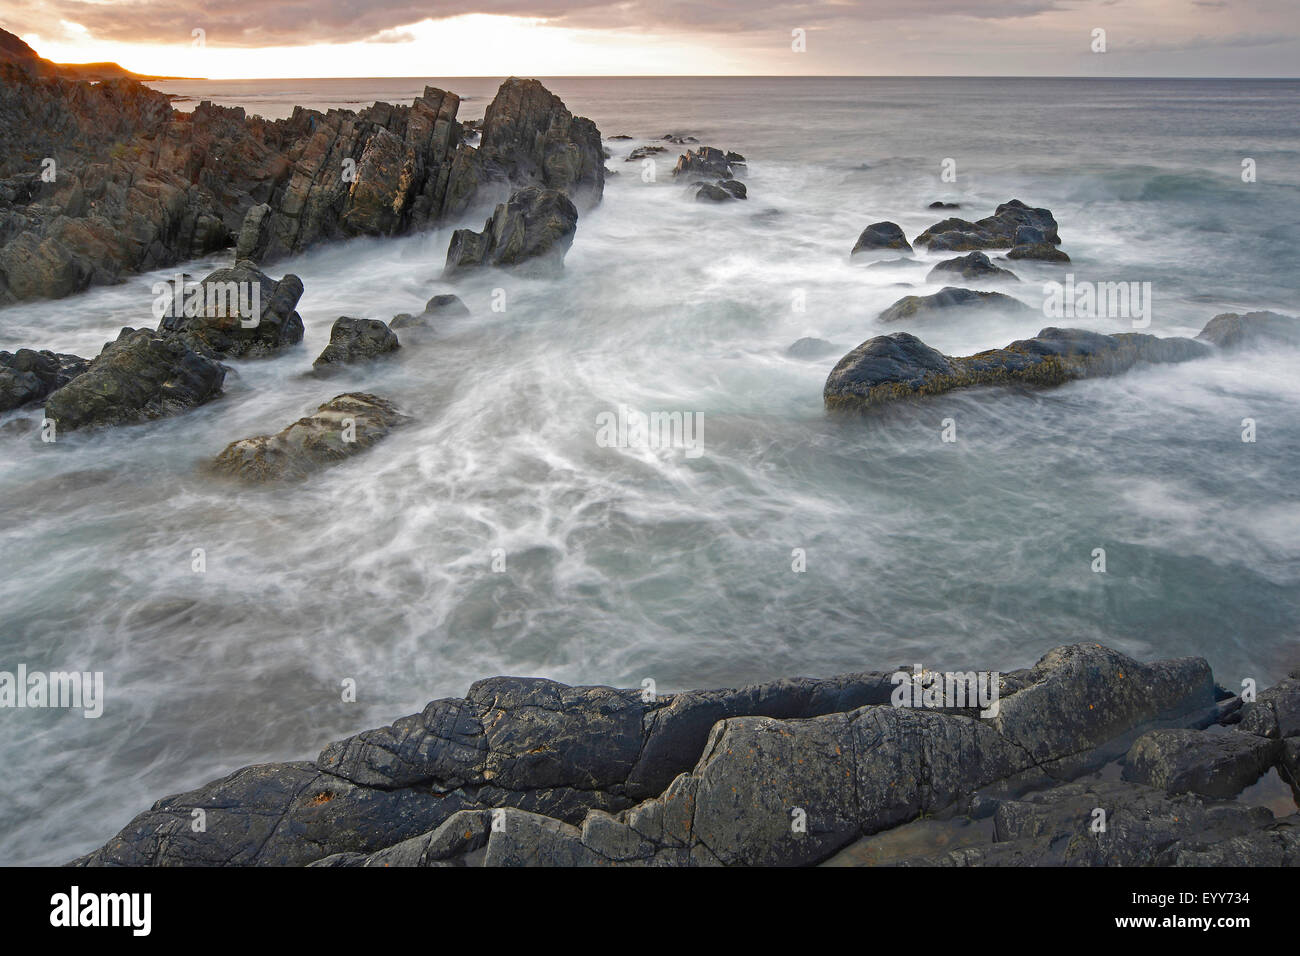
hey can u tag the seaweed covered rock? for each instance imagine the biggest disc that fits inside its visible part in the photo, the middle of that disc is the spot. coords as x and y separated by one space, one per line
138 377
344 426
531 232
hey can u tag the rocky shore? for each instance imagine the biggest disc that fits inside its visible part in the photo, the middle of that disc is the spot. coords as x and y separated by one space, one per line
1086 758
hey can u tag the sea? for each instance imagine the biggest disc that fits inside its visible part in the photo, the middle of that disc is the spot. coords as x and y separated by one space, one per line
498 534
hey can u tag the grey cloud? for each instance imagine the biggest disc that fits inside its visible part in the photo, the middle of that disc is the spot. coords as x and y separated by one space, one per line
304 22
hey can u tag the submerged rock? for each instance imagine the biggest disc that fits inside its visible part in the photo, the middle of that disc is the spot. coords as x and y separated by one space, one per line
897 366
356 340
997 231
1230 330
526 771
533 231
881 235
27 376
140 376
809 348
244 314
973 265
342 427
439 305
723 191
948 300
641 152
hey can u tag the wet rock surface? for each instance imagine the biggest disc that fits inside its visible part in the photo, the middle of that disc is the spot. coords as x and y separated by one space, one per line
356 340
529 772
900 366
531 232
141 187
244 313
974 266
342 427
27 376
140 376
948 301
881 235
997 231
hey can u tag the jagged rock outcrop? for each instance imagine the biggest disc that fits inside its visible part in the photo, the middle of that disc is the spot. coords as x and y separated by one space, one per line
530 138
344 426
139 187
531 772
356 340
239 312
532 232
27 376
974 266
899 366
997 231
881 235
139 377
950 300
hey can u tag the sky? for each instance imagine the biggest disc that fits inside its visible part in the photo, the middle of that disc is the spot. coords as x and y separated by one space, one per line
319 38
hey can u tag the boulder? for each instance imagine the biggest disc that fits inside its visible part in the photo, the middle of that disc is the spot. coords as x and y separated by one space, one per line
1042 251
1231 330
997 231
723 191
972 266
356 340
1195 761
881 235
948 301
642 152
138 377
344 426
809 348
898 366
704 163
27 376
531 232
439 305
224 324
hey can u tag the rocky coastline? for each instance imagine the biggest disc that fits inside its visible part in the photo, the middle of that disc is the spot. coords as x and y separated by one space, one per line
1087 758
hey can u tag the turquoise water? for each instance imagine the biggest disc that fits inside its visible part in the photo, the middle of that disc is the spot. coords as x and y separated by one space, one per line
625 563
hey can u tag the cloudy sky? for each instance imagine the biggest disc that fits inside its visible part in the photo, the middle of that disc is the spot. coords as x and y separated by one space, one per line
315 38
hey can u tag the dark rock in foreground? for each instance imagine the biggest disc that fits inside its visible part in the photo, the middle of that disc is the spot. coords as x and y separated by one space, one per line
341 428
528 772
532 231
244 314
881 235
356 340
27 376
972 266
950 300
139 377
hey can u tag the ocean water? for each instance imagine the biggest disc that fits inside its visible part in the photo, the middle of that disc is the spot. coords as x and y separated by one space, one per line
627 563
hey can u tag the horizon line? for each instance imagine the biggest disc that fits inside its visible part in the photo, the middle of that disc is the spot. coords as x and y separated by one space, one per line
714 76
